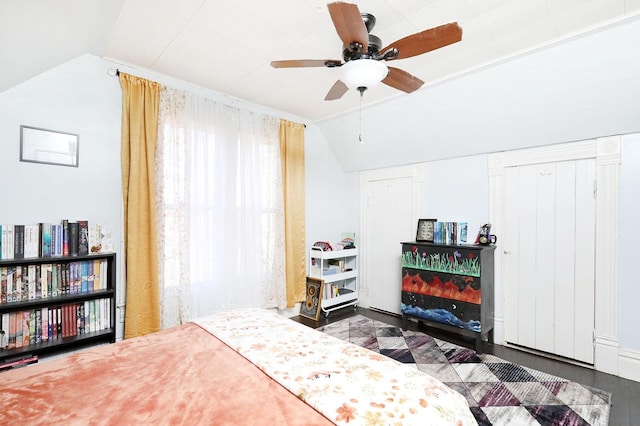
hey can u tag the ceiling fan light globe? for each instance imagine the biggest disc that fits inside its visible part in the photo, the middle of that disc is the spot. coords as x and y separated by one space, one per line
363 73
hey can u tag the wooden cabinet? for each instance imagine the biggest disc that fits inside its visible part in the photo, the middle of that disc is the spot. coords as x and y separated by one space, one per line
51 304
339 271
449 287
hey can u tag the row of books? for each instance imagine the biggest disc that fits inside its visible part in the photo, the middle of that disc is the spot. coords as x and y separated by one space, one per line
31 327
40 281
44 240
450 233
332 290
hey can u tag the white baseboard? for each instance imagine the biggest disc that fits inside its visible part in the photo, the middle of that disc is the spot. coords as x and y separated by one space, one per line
606 354
629 361
498 330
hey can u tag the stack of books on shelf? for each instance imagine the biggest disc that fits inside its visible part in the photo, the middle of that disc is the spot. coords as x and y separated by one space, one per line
40 281
46 240
450 233
43 325
332 290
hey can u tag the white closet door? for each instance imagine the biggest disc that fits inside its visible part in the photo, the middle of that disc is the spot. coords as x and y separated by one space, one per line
549 271
388 220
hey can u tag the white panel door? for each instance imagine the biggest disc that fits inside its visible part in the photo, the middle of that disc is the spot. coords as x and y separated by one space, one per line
549 267
388 220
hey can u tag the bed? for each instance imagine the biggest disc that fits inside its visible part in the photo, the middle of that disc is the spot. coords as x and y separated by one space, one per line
237 367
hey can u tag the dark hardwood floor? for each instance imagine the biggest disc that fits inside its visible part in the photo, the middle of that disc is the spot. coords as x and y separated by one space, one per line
625 406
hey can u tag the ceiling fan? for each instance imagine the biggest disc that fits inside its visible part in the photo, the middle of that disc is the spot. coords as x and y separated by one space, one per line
364 58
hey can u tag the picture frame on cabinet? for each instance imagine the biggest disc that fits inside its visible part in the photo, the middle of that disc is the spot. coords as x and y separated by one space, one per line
425 231
310 307
48 146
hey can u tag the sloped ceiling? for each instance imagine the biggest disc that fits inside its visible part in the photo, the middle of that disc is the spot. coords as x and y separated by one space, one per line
37 35
227 46
584 88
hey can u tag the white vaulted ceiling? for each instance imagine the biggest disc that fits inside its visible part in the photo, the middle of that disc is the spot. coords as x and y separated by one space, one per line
227 46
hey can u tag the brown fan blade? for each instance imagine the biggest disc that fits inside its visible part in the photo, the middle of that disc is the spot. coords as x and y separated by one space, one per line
337 90
297 63
426 41
402 80
348 21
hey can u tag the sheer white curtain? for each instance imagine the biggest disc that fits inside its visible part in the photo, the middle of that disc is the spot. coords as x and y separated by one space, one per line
221 208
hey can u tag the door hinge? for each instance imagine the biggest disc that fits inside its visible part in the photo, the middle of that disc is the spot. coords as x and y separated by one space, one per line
595 189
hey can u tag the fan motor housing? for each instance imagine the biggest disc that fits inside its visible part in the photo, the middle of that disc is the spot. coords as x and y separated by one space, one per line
349 53
354 51
369 21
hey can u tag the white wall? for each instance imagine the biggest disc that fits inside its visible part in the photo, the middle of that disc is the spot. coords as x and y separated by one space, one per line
332 203
76 97
629 284
457 190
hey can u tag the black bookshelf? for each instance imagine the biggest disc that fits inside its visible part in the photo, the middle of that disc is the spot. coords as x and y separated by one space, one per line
77 333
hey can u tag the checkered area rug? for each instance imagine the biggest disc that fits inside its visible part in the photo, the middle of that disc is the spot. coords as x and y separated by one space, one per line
498 392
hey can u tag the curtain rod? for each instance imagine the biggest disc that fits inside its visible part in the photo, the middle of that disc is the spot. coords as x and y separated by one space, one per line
116 72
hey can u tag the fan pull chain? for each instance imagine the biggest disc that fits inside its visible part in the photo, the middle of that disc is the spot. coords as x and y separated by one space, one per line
361 90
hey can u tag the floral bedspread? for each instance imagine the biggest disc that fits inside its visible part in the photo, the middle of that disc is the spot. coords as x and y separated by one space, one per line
346 383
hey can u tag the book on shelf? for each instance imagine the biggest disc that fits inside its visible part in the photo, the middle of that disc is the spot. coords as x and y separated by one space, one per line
92 316
81 319
462 232
65 237
4 290
30 277
50 322
31 241
45 239
38 326
18 241
4 343
54 279
73 238
338 264
83 237
19 290
84 277
12 330
64 321
55 320
22 328
33 331
44 328
8 244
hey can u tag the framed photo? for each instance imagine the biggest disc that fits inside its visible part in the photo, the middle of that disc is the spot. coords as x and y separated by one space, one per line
310 307
425 230
48 146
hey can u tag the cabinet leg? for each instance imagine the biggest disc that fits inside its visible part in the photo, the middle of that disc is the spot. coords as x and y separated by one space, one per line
479 343
405 322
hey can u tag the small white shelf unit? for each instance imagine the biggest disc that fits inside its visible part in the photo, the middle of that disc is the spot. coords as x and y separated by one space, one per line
339 271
